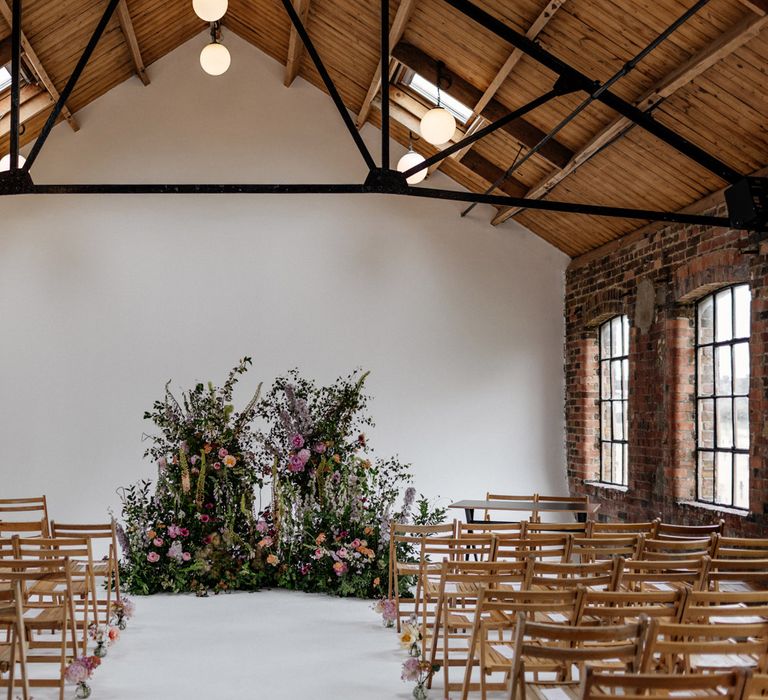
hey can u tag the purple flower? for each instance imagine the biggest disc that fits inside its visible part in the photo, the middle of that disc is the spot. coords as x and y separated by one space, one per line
162 463
410 497
320 447
194 459
295 464
411 669
304 455
261 526
297 441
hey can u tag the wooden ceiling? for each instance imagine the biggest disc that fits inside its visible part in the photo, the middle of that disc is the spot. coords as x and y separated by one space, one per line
707 82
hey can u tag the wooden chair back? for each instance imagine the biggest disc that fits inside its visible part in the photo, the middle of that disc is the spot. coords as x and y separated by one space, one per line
641 574
551 547
671 549
599 575
740 548
505 497
615 607
756 687
738 574
24 528
598 685
725 607
598 548
25 509
648 529
490 528
699 648
692 532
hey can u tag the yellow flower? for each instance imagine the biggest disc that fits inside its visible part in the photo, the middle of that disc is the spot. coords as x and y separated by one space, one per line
272 559
230 460
409 636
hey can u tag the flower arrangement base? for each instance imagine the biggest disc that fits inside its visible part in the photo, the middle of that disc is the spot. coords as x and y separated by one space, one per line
420 692
100 651
122 624
83 690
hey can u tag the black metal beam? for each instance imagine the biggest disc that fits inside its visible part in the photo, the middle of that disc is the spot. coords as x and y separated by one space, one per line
587 84
67 91
482 133
329 84
385 84
456 196
15 84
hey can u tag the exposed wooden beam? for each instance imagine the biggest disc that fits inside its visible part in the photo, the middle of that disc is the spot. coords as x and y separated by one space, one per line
521 130
37 66
725 45
403 14
27 93
295 45
759 7
130 38
5 51
31 108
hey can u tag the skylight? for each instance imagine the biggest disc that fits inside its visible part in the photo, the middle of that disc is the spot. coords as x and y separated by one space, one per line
5 78
428 90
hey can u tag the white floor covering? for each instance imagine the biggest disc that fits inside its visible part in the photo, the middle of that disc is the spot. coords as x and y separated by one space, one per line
268 645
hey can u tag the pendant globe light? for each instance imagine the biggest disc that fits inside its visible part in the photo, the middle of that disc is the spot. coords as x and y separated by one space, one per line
215 58
438 125
410 160
5 162
210 10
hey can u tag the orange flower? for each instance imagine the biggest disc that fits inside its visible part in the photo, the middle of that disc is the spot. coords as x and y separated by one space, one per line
337 458
376 581
208 448
230 460
368 530
151 534
272 559
320 539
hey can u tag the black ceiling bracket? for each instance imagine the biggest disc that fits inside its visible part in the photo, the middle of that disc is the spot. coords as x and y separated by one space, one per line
387 181
15 182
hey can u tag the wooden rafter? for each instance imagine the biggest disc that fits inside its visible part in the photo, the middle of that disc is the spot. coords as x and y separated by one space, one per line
544 17
759 7
37 66
295 46
725 45
130 38
41 102
403 14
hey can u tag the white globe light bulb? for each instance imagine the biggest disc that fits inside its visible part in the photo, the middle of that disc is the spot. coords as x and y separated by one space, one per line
210 10
408 161
215 59
5 162
438 126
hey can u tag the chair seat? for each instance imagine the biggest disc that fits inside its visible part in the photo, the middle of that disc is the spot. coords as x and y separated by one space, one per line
99 568
555 691
38 617
411 569
80 588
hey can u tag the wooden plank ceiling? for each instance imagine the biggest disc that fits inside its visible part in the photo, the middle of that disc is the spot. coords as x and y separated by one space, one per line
707 81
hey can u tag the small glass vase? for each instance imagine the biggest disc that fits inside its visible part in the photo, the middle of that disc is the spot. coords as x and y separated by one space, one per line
121 622
388 622
83 690
100 650
420 692
414 650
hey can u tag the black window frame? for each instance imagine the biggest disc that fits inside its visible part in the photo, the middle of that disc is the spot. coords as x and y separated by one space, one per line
610 359
714 396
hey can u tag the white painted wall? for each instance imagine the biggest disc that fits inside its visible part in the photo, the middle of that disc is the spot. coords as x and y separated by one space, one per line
104 298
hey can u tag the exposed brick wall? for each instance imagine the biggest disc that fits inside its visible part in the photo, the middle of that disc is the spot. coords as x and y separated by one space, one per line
683 263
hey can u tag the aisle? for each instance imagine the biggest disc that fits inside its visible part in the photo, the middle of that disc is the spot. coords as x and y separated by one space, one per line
272 644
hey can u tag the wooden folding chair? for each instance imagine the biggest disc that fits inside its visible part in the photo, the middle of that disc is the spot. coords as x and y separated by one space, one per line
670 549
13 650
740 548
49 616
598 685
642 575
405 559
700 648
725 607
756 687
107 568
600 575
505 497
584 500
491 644
82 582
648 529
738 574
549 547
25 510
483 527
616 607
602 547
690 532
539 528
460 586
25 528
559 650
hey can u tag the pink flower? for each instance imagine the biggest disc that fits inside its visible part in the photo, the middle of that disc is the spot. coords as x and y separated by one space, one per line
113 634
195 470
318 553
158 542
194 459
297 442
320 448
343 553
355 543
389 610
186 556
184 532
208 539
411 669
222 453
217 466
305 569
153 557
340 568
304 455
162 463
295 464
209 506
261 526
77 672
174 531
230 460
265 542
205 518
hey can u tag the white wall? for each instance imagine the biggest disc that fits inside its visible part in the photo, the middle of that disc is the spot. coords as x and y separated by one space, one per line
104 298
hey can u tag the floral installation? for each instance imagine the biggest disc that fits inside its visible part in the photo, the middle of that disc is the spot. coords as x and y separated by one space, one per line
387 608
195 530
329 528
79 672
410 637
104 636
415 670
123 611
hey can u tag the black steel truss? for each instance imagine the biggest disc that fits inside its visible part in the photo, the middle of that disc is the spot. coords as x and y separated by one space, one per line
380 180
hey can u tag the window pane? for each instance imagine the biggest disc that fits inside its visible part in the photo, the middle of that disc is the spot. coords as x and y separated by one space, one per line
706 476
741 368
618 460
741 474
625 379
723 316
723 370
616 377
618 420
616 337
723 478
707 423
625 428
605 380
741 406
606 461
741 300
605 408
705 320
724 422
625 475
605 340
625 333
706 378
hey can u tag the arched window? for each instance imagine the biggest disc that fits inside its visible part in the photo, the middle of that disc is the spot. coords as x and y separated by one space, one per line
722 397
614 395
